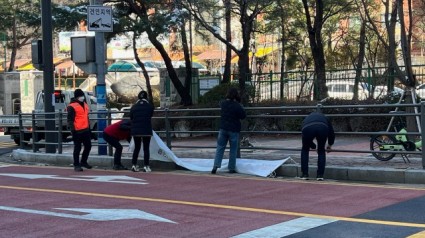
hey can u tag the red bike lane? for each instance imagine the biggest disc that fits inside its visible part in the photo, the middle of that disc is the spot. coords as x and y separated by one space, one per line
52 202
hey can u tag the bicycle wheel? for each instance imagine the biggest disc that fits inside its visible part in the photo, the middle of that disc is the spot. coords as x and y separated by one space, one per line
376 143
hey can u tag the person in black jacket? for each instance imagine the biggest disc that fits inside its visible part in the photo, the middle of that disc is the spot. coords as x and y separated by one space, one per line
141 129
316 125
232 112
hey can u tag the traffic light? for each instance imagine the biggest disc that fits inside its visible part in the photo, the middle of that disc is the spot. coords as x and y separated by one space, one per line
37 54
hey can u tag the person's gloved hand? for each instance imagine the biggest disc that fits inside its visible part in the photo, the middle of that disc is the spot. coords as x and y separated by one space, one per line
312 146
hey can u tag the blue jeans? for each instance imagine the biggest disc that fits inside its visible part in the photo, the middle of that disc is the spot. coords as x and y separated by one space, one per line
223 137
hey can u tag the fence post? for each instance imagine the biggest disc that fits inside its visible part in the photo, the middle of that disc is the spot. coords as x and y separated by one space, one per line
319 107
167 128
423 133
34 132
60 131
21 130
271 83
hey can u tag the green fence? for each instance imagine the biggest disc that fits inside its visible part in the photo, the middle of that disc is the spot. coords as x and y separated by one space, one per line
299 85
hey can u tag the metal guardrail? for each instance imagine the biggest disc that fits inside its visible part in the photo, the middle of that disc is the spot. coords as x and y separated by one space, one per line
211 115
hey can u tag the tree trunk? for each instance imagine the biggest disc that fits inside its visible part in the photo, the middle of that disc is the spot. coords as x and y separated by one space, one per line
243 63
187 58
360 58
228 59
14 47
282 55
142 65
316 45
181 90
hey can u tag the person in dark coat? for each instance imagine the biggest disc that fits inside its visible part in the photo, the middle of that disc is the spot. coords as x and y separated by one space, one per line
232 112
316 125
79 125
141 130
113 134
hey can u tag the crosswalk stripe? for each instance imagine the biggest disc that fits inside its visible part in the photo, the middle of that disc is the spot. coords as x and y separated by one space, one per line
418 235
286 228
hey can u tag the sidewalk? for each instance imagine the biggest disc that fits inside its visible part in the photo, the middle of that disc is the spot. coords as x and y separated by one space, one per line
345 165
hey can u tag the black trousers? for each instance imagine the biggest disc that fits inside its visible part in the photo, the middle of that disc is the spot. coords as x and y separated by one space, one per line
114 142
320 132
83 138
137 147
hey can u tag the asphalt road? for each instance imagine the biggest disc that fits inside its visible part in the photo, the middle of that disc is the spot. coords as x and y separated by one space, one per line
44 201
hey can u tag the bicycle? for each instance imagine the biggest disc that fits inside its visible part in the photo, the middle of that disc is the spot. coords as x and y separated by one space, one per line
398 142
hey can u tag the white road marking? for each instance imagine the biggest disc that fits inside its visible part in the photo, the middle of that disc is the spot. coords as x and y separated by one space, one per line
286 228
94 214
106 179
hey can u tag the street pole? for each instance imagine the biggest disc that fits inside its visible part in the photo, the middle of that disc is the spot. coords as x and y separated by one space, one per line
48 79
99 39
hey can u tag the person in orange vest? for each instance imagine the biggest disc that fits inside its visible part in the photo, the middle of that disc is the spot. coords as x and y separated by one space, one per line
112 135
79 125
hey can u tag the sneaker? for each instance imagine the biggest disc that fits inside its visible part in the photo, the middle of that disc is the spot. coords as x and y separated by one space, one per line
147 169
86 165
304 177
78 169
135 168
319 178
119 167
214 170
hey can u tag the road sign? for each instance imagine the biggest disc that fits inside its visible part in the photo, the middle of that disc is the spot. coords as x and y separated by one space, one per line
99 18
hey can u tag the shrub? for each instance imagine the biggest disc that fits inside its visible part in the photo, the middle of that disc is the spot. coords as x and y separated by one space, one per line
213 97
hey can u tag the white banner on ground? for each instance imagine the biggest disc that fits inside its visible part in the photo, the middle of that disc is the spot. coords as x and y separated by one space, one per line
160 151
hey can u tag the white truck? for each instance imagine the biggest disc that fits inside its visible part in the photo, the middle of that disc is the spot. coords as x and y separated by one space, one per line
62 98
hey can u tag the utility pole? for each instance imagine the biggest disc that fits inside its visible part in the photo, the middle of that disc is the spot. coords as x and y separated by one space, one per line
48 77
100 75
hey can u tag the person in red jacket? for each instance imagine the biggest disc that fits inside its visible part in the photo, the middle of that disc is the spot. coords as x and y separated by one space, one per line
79 124
113 134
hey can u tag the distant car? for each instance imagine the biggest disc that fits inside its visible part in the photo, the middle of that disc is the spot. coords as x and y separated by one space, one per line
420 91
344 90
115 115
381 91
201 68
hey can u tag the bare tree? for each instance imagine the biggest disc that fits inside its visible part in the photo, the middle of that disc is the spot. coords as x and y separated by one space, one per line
317 13
207 13
155 25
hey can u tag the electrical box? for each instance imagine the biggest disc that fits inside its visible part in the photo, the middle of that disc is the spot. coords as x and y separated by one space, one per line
37 54
83 49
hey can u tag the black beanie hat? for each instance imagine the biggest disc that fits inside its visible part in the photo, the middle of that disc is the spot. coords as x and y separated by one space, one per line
78 93
143 95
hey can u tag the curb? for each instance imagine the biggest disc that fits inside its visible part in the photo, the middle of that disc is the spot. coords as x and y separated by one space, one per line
365 174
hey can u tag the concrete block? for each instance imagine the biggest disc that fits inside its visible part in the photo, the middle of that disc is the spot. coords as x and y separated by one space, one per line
288 170
415 176
376 175
337 173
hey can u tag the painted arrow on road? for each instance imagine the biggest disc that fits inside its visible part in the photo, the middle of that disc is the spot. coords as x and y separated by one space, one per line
94 214
106 179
